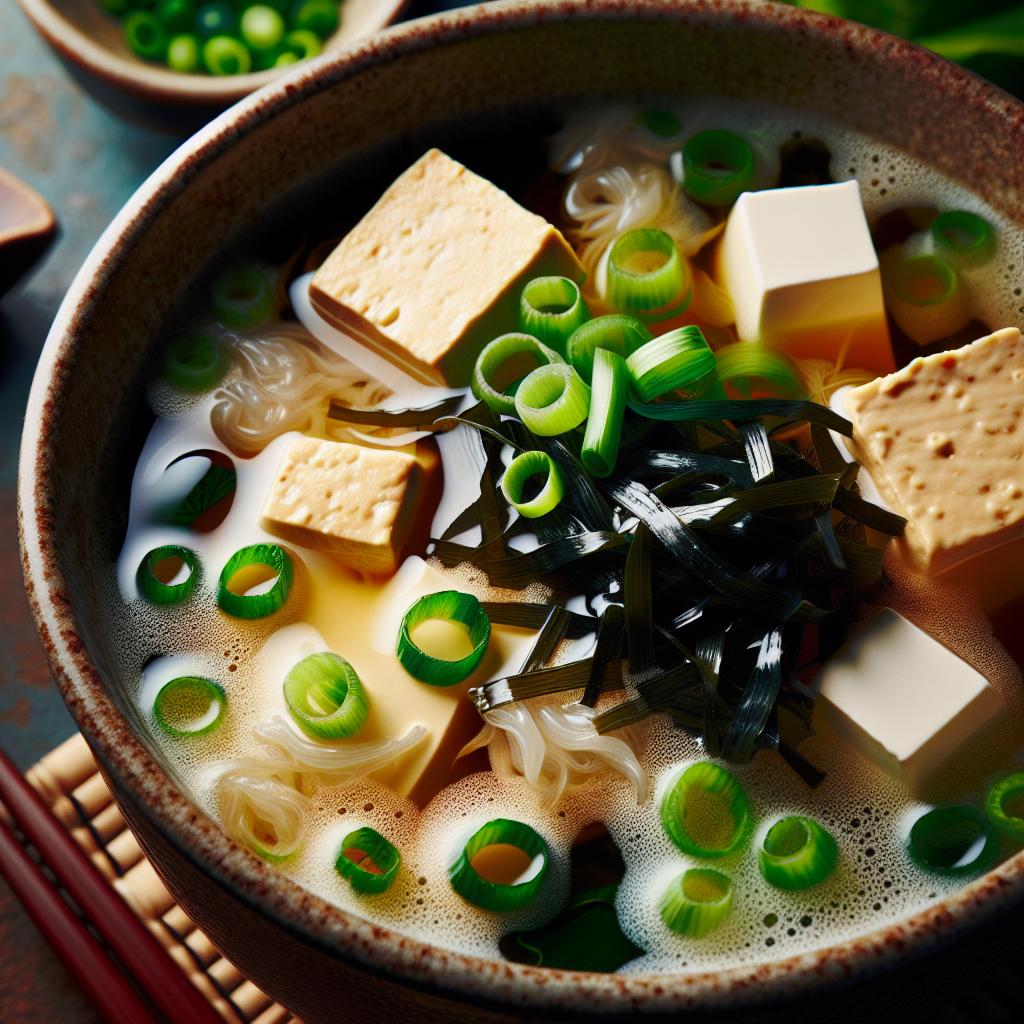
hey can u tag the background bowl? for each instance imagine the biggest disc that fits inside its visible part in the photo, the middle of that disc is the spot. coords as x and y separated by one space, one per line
90 44
485 73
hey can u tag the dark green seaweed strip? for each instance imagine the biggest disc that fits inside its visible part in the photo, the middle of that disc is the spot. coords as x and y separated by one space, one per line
757 449
683 465
638 606
811 490
829 541
551 634
516 570
870 514
422 418
692 553
829 457
216 484
745 409
757 701
707 660
675 692
608 646
572 675
531 615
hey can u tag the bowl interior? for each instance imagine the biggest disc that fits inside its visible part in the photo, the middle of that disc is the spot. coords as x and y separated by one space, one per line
326 141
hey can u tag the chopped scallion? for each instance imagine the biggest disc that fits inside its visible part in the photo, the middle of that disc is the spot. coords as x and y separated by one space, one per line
189 706
368 861
325 697
955 840
616 332
963 237
608 390
256 581
1004 806
241 297
705 811
550 309
168 574
647 275
677 360
502 866
520 470
696 902
552 400
502 364
797 853
194 362
717 167
448 606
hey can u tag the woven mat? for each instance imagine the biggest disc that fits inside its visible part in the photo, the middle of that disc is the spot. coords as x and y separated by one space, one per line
74 790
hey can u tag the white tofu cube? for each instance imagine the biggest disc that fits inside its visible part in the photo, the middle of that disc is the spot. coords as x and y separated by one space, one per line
902 698
803 275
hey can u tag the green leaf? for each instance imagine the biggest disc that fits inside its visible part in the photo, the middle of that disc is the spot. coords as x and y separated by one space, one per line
586 936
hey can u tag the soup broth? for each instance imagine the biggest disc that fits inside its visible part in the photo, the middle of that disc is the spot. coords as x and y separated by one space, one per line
358 616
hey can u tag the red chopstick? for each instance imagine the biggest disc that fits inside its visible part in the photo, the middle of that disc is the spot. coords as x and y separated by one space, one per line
107 988
160 978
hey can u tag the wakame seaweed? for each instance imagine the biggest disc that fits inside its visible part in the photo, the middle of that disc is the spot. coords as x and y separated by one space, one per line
705 559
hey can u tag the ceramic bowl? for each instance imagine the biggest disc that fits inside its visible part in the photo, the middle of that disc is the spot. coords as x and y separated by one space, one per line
342 127
90 44
27 227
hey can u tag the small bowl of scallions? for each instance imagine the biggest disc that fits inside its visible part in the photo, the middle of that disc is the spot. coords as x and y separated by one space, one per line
174 64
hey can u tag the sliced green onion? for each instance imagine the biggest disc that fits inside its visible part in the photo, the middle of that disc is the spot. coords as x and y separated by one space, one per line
502 364
368 861
502 866
261 27
145 36
218 18
677 360
696 902
748 369
241 297
608 390
449 606
550 309
325 697
195 362
924 296
552 400
955 840
963 237
183 53
705 812
1004 804
303 43
168 574
646 274
176 15
256 581
319 16
797 853
617 332
189 706
521 469
717 167
225 55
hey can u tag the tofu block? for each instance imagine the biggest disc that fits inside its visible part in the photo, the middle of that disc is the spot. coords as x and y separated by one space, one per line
360 504
943 441
803 275
903 699
434 271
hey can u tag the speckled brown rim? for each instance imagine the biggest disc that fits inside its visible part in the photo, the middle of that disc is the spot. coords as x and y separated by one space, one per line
338 933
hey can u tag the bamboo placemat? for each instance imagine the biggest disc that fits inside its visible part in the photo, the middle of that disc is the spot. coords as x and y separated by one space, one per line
69 782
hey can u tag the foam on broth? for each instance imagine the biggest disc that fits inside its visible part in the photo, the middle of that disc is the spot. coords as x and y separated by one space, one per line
868 812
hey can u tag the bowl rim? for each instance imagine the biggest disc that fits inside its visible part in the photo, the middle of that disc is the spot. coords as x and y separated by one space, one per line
153 81
311 919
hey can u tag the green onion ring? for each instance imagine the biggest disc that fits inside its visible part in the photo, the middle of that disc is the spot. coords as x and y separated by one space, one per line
663 290
751 369
241 297
325 697
680 359
550 309
189 706
494 356
963 237
956 840
256 606
717 167
552 400
696 902
376 866
924 281
153 589
797 853
1007 789
194 363
709 799
617 332
662 123
609 388
521 468
453 606
497 896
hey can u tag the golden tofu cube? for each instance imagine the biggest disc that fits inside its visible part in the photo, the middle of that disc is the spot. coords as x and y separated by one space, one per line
943 440
435 270
358 503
